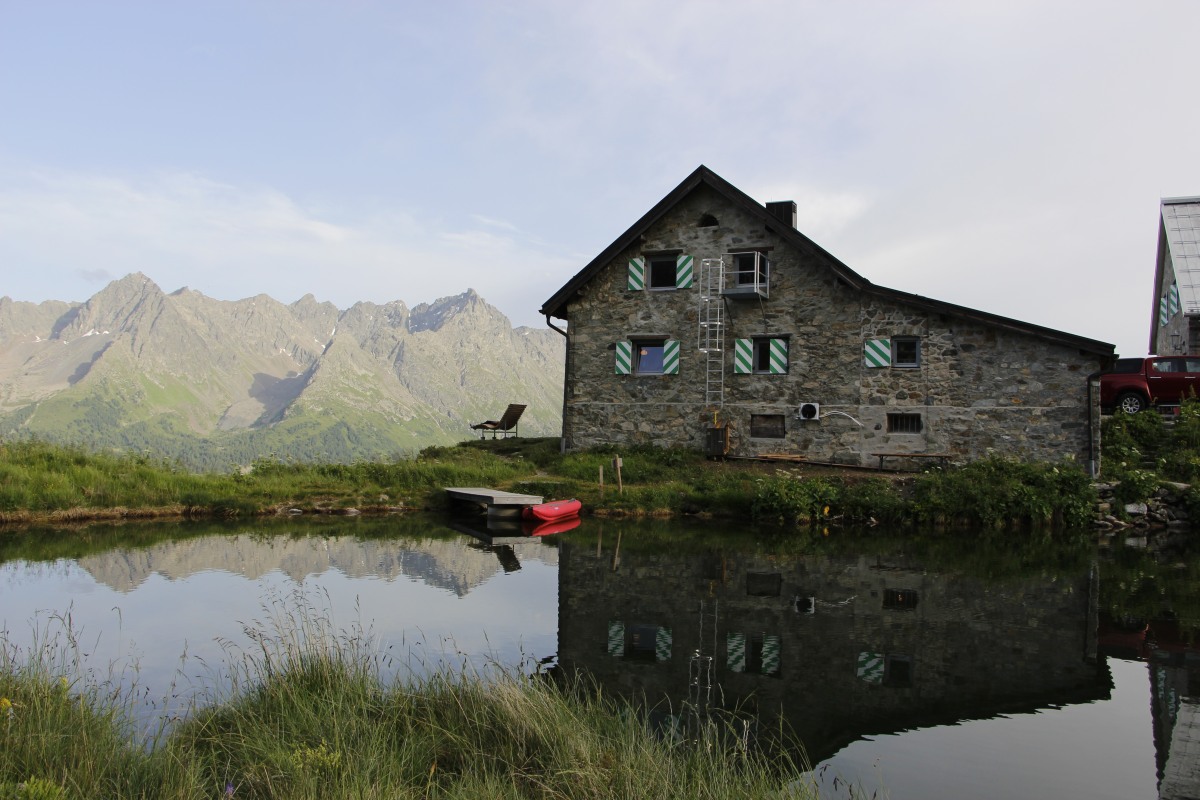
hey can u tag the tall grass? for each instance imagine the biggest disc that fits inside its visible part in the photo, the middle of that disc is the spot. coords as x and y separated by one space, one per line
307 714
40 481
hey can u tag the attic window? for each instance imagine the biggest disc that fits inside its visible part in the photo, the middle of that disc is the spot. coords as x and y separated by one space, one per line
707 221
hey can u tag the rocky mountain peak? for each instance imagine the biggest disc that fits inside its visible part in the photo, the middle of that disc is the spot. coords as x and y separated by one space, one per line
466 308
214 382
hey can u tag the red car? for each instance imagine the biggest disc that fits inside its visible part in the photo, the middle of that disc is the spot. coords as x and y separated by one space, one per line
1134 384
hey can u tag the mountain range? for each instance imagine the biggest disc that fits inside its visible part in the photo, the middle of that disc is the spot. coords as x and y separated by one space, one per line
214 383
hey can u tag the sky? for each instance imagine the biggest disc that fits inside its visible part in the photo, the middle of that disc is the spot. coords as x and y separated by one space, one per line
1007 156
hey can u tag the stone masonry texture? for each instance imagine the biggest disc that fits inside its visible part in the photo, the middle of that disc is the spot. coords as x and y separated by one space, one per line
978 389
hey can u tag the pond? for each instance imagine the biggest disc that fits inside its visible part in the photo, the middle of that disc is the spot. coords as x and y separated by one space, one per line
916 666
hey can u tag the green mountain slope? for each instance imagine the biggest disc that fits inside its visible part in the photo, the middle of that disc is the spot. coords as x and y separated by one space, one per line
215 383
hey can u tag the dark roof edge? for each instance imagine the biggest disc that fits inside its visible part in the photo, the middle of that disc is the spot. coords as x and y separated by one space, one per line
995 320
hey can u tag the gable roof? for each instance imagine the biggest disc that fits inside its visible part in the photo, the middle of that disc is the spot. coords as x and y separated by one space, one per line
1179 236
703 176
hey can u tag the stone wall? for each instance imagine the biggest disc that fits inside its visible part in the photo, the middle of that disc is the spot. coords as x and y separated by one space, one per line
978 389
963 643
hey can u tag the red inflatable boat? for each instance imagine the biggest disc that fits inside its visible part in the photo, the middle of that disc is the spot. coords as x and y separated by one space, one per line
538 528
553 511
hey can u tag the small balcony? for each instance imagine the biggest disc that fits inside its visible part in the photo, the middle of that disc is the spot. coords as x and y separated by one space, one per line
748 277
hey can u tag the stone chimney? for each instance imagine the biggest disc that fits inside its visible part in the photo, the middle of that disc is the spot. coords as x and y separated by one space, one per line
784 211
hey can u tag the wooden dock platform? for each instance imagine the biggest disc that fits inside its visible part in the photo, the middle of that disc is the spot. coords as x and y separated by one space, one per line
499 504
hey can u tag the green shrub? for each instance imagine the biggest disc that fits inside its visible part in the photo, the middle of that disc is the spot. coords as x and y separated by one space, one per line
787 497
1135 486
999 492
32 789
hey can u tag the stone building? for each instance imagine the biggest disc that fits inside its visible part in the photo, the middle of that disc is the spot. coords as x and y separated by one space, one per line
712 323
1175 318
839 645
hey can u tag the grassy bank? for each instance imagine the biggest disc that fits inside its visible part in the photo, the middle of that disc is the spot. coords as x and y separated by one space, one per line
308 716
45 483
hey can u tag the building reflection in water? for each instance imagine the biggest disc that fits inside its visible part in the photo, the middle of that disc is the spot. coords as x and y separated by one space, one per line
842 645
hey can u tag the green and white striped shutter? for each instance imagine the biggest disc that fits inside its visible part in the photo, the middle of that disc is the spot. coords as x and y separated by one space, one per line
1173 299
670 357
1164 315
616 638
683 272
662 644
743 356
870 667
637 274
735 652
877 353
770 655
778 356
624 358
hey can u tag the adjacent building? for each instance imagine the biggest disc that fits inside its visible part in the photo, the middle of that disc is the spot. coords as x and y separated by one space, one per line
1175 318
713 323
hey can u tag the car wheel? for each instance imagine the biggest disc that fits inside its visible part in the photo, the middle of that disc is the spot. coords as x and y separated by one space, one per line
1131 402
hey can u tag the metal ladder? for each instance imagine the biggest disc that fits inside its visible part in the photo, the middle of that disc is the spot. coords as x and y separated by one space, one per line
702 668
712 329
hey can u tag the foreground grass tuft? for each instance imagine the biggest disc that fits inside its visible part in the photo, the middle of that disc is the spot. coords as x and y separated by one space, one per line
309 716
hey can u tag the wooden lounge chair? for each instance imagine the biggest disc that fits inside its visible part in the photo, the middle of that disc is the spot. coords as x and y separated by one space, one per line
506 423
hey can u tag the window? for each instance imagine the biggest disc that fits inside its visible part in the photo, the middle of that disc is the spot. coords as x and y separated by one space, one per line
760 356
751 269
763 584
767 426
662 272
756 653
898 671
1167 365
906 351
642 642
900 599
899 351
903 423
639 642
647 356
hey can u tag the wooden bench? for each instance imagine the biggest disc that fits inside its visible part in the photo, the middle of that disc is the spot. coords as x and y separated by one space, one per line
942 458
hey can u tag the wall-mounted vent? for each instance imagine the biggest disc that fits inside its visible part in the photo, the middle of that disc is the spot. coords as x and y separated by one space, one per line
809 411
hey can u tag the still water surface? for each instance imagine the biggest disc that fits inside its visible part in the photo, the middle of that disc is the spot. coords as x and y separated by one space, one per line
919 669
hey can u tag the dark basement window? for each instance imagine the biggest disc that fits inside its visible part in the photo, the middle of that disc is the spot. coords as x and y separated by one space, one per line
764 584
903 423
900 599
767 426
